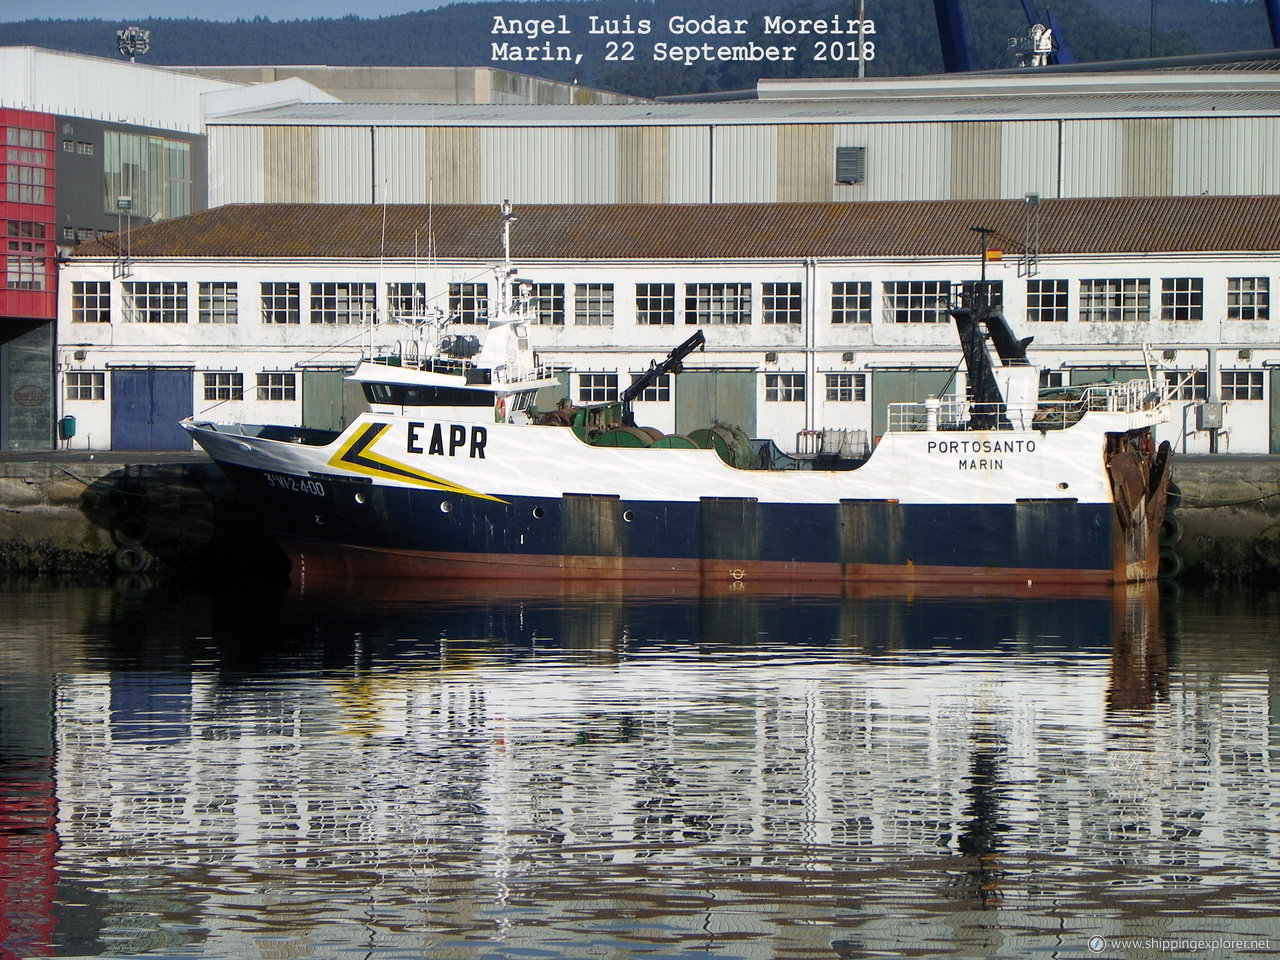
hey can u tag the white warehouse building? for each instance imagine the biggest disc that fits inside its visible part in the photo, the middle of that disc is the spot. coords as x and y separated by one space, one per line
817 315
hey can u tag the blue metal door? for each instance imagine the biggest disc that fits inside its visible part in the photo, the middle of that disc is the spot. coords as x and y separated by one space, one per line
146 405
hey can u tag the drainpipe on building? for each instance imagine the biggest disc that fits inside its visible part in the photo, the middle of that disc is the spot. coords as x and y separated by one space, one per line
810 321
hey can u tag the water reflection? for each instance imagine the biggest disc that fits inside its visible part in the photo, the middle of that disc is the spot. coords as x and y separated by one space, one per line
485 770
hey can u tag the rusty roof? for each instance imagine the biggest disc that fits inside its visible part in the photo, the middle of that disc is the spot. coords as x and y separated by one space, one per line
721 231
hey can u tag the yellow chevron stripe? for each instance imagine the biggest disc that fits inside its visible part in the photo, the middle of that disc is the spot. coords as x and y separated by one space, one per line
393 469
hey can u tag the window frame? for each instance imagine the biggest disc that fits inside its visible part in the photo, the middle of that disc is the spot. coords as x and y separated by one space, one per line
469 302
1182 299
223 385
717 303
853 303
1254 300
218 301
78 382
837 383
276 303
597 387
1115 300
276 386
916 301
1047 304
655 300
785 386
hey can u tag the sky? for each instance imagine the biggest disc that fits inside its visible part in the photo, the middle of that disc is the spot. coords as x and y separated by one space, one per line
125 10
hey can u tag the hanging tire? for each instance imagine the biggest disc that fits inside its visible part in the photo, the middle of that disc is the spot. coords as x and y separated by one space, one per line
1170 531
132 559
1170 565
1172 496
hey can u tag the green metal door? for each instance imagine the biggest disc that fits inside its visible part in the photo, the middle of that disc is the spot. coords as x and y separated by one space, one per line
1274 406
705 397
905 386
329 401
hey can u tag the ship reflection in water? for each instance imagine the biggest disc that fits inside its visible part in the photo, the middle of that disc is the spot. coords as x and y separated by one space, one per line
485 770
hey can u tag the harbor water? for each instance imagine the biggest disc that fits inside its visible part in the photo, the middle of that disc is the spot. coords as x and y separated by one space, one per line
364 770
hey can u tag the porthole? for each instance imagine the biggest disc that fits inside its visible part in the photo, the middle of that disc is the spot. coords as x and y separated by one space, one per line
360 498
1063 485
627 516
446 506
538 513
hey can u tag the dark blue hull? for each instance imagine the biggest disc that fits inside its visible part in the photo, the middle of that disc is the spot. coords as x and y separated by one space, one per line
334 526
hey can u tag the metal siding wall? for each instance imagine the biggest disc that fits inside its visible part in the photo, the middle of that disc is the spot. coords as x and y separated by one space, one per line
1148 157
1028 159
592 166
745 164
400 159
644 169
1091 158
690 158
344 164
905 161
806 162
975 160
236 161
527 165
1226 156
454 163
289 165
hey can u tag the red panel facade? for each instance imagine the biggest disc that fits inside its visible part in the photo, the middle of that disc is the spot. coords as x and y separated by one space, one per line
27 215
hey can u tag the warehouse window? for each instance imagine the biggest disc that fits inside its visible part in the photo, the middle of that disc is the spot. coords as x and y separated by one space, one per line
846 387
657 392
851 165
597 387
406 300
469 302
154 172
218 302
281 303
851 301
1186 384
1241 384
86 385
224 386
276 386
1182 298
780 303
1047 301
547 300
1115 301
784 387
593 304
714 303
90 301
916 301
343 303
655 303
1248 298
154 302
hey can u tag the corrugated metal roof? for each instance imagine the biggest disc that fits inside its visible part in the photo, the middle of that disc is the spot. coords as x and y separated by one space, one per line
841 110
1133 225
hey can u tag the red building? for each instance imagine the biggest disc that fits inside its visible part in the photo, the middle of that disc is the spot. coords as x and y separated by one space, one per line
28 302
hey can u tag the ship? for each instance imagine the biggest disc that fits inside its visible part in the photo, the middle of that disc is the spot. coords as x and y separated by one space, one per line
456 471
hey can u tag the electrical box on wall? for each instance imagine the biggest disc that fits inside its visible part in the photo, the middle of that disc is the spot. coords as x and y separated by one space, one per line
1209 415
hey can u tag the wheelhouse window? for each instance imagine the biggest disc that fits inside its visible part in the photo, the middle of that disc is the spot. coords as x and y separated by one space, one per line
597 387
218 303
1241 384
547 300
86 385
846 387
784 387
1248 298
1182 298
224 386
655 303
851 301
469 302
154 302
1047 301
780 303
276 386
916 301
281 303
715 303
1115 301
593 304
345 303
407 299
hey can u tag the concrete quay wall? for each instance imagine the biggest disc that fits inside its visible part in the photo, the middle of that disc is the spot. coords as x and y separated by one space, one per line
121 513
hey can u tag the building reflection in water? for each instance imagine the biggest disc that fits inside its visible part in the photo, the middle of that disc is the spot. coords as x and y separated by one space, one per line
786 773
